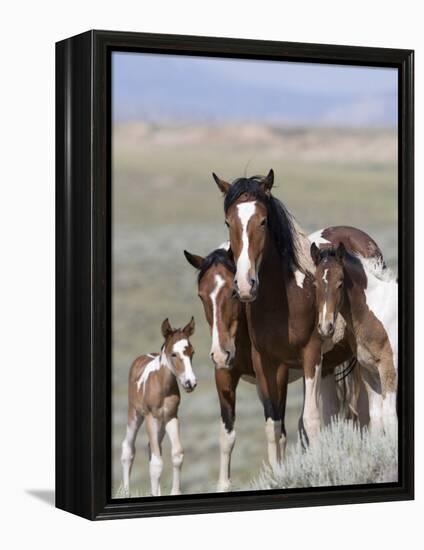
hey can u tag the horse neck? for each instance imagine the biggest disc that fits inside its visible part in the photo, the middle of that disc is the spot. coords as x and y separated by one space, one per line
354 308
272 258
167 377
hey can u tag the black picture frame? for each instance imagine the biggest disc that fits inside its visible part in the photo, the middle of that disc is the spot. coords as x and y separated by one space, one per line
83 264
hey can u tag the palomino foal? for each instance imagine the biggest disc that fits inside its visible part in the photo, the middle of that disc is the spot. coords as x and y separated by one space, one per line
153 395
367 299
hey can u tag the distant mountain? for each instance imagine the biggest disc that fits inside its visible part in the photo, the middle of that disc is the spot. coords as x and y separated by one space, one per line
166 88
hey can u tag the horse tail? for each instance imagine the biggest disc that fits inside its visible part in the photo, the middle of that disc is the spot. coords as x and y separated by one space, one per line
348 387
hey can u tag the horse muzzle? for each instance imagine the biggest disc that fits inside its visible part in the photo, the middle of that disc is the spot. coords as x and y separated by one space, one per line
326 330
247 291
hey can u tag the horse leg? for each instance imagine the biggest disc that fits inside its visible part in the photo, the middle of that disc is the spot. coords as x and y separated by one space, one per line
312 365
388 377
282 383
226 382
375 400
329 403
177 453
268 391
128 447
155 433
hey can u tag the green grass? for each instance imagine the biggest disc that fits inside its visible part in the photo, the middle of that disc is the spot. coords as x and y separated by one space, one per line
165 201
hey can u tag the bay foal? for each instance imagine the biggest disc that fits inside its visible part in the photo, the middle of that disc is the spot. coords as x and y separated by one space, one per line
154 396
230 347
362 291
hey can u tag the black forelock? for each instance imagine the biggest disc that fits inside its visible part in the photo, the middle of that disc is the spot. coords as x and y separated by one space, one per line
216 257
251 186
280 221
331 252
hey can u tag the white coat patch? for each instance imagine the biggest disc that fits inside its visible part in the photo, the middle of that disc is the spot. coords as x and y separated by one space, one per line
300 277
148 369
382 299
317 238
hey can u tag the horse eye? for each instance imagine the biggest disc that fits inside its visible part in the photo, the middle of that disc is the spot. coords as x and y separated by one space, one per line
263 222
227 224
315 284
174 355
339 284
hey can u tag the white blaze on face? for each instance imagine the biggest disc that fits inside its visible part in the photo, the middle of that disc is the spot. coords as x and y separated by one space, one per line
324 309
218 355
188 376
245 211
324 277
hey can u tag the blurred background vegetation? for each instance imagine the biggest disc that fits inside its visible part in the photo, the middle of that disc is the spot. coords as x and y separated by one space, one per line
336 170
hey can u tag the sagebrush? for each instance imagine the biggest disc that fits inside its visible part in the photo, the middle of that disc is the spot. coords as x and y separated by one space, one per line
344 455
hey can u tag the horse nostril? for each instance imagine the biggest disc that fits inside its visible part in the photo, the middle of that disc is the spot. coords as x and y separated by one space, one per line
253 284
330 327
235 284
228 357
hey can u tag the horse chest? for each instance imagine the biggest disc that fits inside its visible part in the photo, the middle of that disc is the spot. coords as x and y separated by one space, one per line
279 331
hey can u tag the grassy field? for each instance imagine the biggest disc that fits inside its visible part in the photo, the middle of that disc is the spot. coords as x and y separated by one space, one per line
165 201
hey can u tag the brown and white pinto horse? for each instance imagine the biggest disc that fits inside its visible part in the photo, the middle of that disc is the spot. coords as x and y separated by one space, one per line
154 396
366 295
274 279
230 348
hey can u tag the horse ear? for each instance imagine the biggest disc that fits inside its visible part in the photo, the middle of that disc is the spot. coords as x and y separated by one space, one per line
315 254
166 328
194 260
189 328
223 185
268 182
340 252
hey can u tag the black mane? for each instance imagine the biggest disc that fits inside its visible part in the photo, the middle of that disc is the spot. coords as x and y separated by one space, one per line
331 252
280 221
218 256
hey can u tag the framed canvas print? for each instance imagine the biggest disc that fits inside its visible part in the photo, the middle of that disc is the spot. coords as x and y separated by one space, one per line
234 274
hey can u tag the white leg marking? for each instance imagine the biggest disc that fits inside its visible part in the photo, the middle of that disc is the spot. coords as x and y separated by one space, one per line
390 421
155 469
226 445
128 452
311 415
245 212
375 402
177 453
273 435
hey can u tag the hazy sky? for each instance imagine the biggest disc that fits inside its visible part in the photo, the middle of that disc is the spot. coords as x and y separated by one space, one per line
165 88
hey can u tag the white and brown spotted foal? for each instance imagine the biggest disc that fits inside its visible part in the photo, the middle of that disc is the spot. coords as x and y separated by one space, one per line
366 295
154 396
